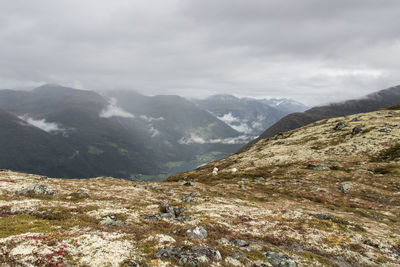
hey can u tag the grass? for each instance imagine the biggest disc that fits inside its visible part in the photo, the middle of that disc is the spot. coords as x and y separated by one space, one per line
20 224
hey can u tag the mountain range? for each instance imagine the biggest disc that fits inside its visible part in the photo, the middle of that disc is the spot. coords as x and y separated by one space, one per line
249 116
64 132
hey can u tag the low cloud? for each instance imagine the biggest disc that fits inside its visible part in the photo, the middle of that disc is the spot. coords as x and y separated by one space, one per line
153 131
150 119
112 110
50 127
239 125
195 139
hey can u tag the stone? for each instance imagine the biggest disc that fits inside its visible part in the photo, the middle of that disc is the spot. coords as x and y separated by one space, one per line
234 170
165 191
384 130
323 216
318 167
190 255
242 187
223 241
278 259
37 189
189 183
345 188
168 212
363 171
129 263
260 179
111 220
197 233
190 197
356 130
340 125
239 243
355 119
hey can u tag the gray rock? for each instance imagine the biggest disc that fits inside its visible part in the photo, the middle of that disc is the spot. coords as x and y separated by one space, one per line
129 263
278 259
242 187
37 189
168 191
260 180
340 125
168 212
189 183
197 233
356 130
363 171
323 216
111 220
356 119
44 178
384 130
223 241
192 256
190 197
318 167
345 188
239 243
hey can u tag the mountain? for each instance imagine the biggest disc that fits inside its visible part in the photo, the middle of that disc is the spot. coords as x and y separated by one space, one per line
97 146
247 115
374 101
320 195
285 105
127 136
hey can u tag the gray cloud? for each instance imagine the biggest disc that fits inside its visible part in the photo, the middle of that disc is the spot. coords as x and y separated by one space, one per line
310 50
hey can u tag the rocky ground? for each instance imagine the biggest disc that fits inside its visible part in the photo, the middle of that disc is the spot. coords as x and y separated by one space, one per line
327 194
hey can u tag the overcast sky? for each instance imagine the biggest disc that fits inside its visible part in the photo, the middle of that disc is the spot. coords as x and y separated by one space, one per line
314 51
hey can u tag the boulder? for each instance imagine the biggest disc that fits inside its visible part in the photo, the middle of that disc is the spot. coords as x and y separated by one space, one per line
345 188
340 125
318 167
37 189
356 130
191 256
278 259
111 220
197 233
190 197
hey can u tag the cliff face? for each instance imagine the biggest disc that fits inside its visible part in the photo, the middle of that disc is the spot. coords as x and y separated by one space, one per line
327 194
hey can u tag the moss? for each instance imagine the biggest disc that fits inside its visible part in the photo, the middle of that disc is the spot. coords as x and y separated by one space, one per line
20 224
255 255
313 258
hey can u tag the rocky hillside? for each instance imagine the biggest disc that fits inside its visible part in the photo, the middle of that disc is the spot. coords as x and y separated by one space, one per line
372 102
327 194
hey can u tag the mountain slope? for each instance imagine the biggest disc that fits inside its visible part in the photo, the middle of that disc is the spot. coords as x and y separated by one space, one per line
342 172
30 149
375 101
100 146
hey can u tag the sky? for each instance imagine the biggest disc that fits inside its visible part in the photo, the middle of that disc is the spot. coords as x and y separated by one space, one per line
312 51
